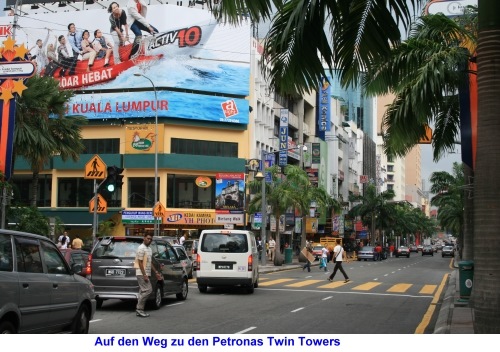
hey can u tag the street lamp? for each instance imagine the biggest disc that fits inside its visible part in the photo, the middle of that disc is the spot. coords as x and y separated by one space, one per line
155 224
263 209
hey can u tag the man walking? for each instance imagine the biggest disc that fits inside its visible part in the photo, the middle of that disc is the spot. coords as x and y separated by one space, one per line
338 257
272 247
143 268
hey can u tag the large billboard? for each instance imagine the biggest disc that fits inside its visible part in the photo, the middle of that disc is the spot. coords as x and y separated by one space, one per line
199 68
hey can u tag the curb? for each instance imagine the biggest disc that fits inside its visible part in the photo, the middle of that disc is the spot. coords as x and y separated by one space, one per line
446 312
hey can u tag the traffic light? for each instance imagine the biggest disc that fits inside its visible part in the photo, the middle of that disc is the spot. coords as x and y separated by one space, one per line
114 179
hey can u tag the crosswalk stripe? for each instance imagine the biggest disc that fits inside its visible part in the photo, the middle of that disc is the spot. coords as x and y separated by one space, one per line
274 282
334 284
400 288
366 287
304 283
428 289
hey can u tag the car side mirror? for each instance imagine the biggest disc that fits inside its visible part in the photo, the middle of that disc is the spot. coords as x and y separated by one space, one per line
77 268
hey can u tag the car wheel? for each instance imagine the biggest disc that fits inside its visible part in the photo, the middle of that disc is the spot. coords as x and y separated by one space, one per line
158 297
256 284
181 296
190 275
99 302
408 256
81 322
202 288
6 327
359 259
250 288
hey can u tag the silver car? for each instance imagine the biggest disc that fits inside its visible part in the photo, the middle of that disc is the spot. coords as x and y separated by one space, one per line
40 293
367 252
185 259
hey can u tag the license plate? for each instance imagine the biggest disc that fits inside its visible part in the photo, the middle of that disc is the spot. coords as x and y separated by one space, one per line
224 266
116 272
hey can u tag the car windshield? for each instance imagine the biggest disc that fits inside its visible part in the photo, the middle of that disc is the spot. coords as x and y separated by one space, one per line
448 248
225 243
317 248
403 247
117 248
367 248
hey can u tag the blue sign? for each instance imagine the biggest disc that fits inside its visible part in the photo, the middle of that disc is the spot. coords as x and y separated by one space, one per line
324 106
283 137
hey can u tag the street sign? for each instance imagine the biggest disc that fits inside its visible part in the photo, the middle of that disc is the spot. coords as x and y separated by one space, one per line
428 136
450 8
95 169
159 210
102 205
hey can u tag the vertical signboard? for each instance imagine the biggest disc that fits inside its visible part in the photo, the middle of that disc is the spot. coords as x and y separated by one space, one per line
229 192
283 153
316 153
324 106
352 148
378 170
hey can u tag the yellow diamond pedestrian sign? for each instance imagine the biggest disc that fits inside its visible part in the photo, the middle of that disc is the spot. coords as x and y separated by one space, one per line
95 169
102 205
159 210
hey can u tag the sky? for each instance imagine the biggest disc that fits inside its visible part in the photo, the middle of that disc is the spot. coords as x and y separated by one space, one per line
429 166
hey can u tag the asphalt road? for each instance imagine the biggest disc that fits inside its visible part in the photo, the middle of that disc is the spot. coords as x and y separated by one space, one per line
395 296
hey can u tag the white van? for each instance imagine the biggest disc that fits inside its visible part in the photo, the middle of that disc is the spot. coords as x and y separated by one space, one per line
227 258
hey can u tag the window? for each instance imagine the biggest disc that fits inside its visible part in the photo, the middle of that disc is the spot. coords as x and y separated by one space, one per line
6 262
390 178
23 190
182 192
74 192
53 260
390 187
141 192
390 168
28 256
222 243
101 146
209 148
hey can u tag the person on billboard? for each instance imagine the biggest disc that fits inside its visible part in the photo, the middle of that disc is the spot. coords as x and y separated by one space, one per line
40 54
66 60
119 29
53 62
137 9
89 52
102 46
75 40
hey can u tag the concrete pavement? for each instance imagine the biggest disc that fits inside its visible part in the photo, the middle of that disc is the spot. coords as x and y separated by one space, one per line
454 317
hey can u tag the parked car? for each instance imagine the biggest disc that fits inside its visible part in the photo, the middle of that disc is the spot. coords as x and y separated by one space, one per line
317 250
439 247
191 248
403 251
185 259
40 292
76 256
427 250
447 251
420 247
413 248
114 276
367 252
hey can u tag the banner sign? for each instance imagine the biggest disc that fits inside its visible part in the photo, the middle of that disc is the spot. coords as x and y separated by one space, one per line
198 67
283 138
137 217
324 106
140 139
316 153
229 192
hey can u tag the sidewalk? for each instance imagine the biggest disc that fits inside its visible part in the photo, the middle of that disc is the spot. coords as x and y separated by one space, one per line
454 317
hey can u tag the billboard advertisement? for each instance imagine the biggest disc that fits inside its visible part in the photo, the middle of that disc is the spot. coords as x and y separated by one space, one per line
229 192
193 68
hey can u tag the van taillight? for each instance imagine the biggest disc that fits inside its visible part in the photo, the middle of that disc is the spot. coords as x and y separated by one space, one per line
250 262
88 268
197 263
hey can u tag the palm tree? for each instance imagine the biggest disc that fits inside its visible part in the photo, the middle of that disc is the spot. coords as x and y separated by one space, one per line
42 131
450 199
372 205
288 191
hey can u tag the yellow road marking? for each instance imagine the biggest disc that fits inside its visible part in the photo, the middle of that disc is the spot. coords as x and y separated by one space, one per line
428 289
333 284
426 319
304 283
400 288
274 282
366 287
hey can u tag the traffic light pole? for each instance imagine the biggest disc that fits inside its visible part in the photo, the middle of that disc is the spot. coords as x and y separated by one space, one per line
96 203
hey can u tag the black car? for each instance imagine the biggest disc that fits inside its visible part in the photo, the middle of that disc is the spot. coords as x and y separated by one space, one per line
427 250
447 251
114 276
403 251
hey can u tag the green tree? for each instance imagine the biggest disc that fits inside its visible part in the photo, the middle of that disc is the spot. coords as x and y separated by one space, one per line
286 192
372 205
29 219
42 130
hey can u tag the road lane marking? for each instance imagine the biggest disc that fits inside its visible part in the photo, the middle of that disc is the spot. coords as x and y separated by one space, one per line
246 330
304 283
296 310
428 289
327 298
345 292
426 319
400 288
333 284
366 287
274 282
95 320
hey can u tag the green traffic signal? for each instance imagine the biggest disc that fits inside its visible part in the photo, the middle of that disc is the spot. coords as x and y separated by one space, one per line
114 178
